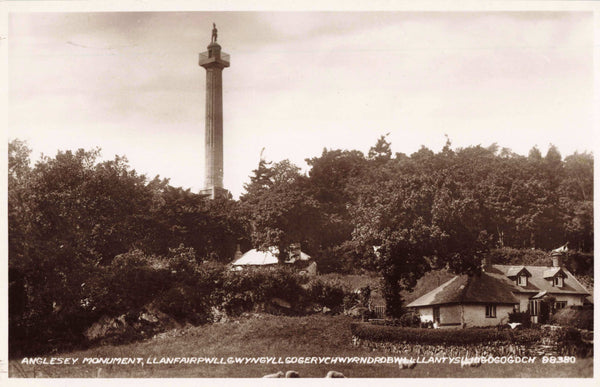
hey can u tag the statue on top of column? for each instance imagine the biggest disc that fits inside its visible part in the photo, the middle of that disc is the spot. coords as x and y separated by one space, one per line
214 34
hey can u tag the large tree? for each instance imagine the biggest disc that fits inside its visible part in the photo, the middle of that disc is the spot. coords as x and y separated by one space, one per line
280 208
70 214
412 211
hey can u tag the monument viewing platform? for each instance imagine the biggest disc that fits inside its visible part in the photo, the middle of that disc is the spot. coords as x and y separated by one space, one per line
214 56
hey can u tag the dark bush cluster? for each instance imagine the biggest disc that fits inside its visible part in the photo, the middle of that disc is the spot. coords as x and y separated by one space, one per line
329 294
247 290
569 341
176 284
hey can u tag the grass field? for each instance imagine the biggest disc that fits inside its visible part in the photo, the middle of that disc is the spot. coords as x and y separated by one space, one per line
273 336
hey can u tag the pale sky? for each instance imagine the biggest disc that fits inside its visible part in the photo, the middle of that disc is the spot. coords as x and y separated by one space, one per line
130 84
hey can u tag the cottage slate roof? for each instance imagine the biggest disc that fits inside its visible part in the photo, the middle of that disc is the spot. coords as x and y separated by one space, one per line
463 289
549 273
495 287
537 283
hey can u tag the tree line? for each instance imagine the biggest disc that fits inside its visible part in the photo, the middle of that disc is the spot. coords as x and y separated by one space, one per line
405 215
70 215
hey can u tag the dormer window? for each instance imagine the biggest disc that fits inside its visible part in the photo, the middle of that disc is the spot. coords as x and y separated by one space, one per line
556 276
519 275
558 281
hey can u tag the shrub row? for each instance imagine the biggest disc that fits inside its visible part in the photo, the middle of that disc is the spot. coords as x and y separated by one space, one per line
443 336
188 291
192 292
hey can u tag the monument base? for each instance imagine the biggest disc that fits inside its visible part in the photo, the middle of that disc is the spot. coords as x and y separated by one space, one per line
215 192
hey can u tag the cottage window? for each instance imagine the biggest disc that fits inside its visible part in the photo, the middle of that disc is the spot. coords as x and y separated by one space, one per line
558 281
522 280
560 304
490 311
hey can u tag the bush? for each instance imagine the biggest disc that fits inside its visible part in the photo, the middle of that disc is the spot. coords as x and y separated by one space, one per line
179 285
351 300
327 294
410 319
574 317
130 282
520 317
185 305
243 291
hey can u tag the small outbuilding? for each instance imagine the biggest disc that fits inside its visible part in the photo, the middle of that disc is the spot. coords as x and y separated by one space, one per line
256 257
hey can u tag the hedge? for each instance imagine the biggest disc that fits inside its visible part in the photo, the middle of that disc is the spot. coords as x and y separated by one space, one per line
444 336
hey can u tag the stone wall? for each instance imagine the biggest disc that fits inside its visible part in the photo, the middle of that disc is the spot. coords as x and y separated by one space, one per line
546 347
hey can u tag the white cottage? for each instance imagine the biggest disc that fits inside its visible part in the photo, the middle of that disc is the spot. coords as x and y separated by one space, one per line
487 298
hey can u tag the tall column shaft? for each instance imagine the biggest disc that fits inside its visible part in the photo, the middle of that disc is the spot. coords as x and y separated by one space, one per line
214 61
214 128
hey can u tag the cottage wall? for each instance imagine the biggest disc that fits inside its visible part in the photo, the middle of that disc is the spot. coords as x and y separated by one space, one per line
474 315
523 301
571 299
449 314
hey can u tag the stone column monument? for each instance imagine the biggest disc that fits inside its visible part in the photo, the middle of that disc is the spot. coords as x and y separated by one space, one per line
214 61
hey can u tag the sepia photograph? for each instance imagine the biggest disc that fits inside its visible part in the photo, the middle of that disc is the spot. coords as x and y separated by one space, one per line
300 194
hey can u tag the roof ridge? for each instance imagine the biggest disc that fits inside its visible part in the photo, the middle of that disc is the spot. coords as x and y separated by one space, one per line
436 289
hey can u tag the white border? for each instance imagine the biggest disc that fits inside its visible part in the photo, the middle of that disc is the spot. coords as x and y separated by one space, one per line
266 5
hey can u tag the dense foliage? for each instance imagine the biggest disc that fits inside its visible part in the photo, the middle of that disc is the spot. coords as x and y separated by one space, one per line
251 289
90 237
80 230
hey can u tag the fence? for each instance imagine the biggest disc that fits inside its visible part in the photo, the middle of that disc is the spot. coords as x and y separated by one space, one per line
379 311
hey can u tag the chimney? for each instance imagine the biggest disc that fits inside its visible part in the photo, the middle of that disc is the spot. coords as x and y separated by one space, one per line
238 253
557 259
486 263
